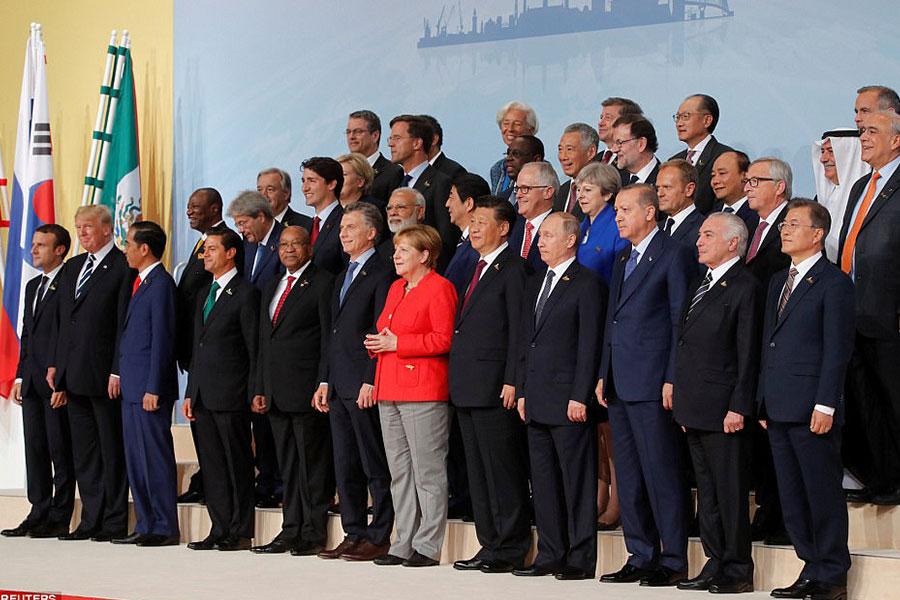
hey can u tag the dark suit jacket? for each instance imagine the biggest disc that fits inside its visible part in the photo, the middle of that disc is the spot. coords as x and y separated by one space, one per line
642 321
559 354
484 350
747 214
193 279
562 199
222 374
448 166
348 364
435 186
688 231
517 236
268 266
704 197
328 253
385 249
291 351
387 178
294 219
769 258
461 267
84 350
147 362
805 352
717 357
877 264
651 179
37 330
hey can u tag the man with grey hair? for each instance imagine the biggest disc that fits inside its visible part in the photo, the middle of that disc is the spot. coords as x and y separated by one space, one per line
363 135
405 207
536 188
718 342
275 185
873 98
577 147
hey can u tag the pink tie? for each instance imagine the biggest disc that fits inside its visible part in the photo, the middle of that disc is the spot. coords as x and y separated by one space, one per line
571 205
690 156
526 243
757 238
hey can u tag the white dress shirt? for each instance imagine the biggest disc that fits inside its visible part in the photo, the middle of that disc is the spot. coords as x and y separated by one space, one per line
536 223
644 173
558 271
736 206
720 271
282 285
416 172
678 218
773 216
99 255
698 149
642 245
491 257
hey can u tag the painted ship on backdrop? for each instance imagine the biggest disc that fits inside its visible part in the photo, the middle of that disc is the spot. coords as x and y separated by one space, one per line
563 18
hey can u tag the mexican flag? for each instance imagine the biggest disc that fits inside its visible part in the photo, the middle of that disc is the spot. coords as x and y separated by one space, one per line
122 179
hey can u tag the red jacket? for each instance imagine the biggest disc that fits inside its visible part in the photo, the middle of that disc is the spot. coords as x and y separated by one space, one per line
423 324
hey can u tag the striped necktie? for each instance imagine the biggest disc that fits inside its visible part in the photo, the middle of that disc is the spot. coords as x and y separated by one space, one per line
786 291
85 276
701 291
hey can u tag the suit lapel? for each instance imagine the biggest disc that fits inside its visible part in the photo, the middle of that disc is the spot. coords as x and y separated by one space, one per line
142 289
881 199
48 295
646 263
770 236
370 266
720 287
99 270
800 289
703 160
490 274
224 298
297 290
326 227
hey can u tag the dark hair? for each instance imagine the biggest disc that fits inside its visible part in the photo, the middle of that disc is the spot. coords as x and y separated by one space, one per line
742 159
818 214
503 210
59 234
436 129
328 169
709 104
148 232
417 127
370 118
640 128
626 106
469 185
230 239
213 197
535 146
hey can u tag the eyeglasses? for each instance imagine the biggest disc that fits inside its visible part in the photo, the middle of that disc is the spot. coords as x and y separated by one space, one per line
295 244
527 188
754 181
357 131
619 143
794 226
686 116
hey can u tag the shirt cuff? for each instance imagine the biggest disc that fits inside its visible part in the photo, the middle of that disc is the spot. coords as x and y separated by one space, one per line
113 375
825 410
18 381
325 383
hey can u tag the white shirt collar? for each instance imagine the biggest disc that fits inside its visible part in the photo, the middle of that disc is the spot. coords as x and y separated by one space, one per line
326 212
52 274
737 204
374 158
642 246
100 254
560 269
265 240
280 216
436 156
644 173
887 170
361 260
465 234
536 222
719 271
698 149
296 274
679 218
143 274
225 279
492 256
804 266
416 172
773 216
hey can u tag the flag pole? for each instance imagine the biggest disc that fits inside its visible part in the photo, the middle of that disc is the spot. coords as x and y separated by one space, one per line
97 135
110 115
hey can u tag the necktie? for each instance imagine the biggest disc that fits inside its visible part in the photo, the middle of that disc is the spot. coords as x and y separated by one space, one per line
545 293
786 292
526 243
348 279
260 249
315 231
461 241
406 179
210 300
701 291
40 292
85 276
850 242
670 222
476 277
690 156
728 209
137 284
198 248
757 238
607 156
632 263
570 206
632 179
284 295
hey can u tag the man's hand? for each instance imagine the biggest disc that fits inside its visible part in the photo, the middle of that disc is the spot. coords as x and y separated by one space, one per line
521 407
577 412
667 391
51 375
58 399
186 409
151 402
366 397
733 422
508 395
15 394
763 424
259 404
320 398
820 422
599 392
113 388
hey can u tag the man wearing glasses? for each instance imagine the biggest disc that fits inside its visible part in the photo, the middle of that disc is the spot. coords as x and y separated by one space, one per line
406 206
634 142
536 187
363 135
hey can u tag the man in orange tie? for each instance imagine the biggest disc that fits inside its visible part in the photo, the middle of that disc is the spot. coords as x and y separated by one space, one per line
868 253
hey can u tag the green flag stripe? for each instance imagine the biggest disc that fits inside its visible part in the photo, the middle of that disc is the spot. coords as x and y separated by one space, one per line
89 181
99 135
105 89
110 49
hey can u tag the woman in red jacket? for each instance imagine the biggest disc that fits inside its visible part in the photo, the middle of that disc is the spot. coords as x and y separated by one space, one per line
412 345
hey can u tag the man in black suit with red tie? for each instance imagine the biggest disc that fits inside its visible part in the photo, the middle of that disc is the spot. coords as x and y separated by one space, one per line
48 440
483 359
363 135
322 181
610 110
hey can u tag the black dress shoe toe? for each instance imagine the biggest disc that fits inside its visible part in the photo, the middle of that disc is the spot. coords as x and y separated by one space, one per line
473 564
191 497
268 501
20 530
777 538
155 540
828 591
208 543
533 571
420 560
276 546
664 577
134 538
700 583
498 566
305 548
627 574
233 544
799 589
570 574
388 560
105 536
861 495
730 585
888 498
77 535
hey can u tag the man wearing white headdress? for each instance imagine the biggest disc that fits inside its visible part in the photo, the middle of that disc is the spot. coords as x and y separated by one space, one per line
837 164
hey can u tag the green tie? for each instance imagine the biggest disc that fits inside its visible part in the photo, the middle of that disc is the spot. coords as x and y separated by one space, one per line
210 300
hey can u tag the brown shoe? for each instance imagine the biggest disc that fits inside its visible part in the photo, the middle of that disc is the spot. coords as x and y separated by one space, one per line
340 550
366 551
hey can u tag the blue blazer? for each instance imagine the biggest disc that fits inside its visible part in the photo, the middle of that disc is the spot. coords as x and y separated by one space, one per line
643 319
805 352
147 361
600 242
461 266
269 265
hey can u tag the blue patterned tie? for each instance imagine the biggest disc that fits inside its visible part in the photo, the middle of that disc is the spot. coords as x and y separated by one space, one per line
406 179
632 263
348 279
260 249
85 276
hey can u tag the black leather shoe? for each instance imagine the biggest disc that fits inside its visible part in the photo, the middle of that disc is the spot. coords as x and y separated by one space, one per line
276 546
233 544
700 583
420 560
49 530
498 566
777 538
388 560
191 497
861 495
627 574
20 530
730 585
154 540
888 498
268 501
462 511
208 543
77 535
799 589
533 571
473 564
570 574
134 538
305 548
105 536
828 591
663 577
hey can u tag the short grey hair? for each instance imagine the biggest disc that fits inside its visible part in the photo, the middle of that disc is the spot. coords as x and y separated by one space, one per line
285 177
894 118
416 194
570 224
531 118
779 171
544 173
369 212
734 228
589 135
250 204
603 175
887 98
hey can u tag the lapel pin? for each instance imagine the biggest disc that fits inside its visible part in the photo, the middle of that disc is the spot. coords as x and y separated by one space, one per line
304 283
565 278
410 367
362 273
724 284
496 266
228 291
810 280
53 287
622 259
649 259
428 184
105 266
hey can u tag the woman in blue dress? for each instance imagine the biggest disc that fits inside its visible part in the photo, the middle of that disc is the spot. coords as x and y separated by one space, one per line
597 185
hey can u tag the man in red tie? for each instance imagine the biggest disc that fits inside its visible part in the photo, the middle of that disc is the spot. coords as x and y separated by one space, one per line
577 147
536 188
322 181
611 109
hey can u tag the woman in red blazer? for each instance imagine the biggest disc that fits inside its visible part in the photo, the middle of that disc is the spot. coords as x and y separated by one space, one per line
412 345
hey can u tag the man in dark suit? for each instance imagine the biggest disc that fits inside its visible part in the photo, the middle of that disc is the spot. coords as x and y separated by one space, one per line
323 179
577 147
48 440
695 122
84 372
868 252
522 150
716 369
634 142
410 142
361 466
204 211
149 378
466 189
807 343
219 392
363 135
536 189
294 321
483 359
610 110
436 156
275 185
727 183
636 377
561 328
676 185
